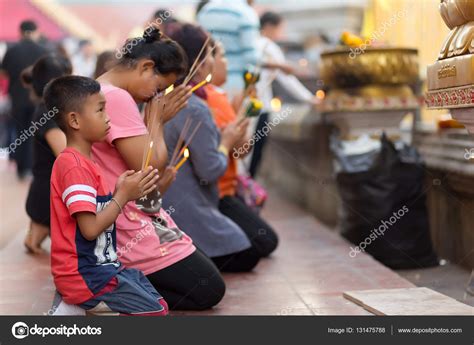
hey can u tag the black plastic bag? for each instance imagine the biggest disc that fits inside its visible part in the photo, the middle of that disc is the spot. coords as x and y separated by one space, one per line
384 206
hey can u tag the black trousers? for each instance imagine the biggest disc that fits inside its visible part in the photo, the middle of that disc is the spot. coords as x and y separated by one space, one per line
193 283
258 147
263 238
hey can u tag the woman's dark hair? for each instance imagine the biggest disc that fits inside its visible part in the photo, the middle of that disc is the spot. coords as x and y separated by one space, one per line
47 68
191 38
270 18
167 55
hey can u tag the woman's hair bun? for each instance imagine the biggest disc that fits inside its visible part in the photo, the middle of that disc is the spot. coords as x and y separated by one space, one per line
152 34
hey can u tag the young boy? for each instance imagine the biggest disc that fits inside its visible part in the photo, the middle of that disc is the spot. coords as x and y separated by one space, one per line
84 261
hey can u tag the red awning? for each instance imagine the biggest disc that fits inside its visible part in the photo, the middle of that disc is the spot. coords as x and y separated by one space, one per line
13 12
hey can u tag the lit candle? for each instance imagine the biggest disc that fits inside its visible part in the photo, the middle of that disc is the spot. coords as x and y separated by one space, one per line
181 162
205 81
148 156
320 94
275 103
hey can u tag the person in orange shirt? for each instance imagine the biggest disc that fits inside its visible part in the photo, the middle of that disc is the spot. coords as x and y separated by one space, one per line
262 236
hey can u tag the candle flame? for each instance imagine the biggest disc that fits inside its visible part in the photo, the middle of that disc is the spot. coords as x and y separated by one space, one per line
320 94
186 152
275 103
151 144
209 77
169 89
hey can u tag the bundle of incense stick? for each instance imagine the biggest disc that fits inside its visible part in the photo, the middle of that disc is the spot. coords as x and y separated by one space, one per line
183 143
202 83
153 128
188 79
194 69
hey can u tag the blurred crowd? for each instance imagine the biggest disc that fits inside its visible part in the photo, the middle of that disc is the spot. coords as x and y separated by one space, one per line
201 215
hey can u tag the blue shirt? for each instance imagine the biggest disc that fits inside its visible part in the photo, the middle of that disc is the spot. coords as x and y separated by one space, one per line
236 25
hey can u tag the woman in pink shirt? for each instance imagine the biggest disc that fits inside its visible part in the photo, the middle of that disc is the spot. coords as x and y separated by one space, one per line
184 276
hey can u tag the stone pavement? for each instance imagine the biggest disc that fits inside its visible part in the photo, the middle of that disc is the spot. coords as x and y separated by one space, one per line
305 276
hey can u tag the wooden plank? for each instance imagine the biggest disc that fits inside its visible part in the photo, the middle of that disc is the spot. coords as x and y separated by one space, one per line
408 301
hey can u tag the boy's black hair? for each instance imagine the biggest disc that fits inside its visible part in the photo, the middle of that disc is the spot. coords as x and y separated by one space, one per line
47 68
270 18
68 94
167 55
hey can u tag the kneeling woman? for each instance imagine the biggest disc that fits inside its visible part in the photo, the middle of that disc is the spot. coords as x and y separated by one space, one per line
152 243
195 194
262 236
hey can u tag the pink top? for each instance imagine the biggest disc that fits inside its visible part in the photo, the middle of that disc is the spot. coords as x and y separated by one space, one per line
140 244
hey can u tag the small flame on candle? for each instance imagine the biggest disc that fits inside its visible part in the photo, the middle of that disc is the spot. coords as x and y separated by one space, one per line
151 144
186 153
209 77
303 62
169 89
275 103
320 94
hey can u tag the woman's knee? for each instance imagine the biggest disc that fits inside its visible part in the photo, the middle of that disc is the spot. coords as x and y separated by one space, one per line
246 261
266 241
211 292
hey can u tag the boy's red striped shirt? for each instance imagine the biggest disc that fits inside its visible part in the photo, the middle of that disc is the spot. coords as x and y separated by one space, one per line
80 268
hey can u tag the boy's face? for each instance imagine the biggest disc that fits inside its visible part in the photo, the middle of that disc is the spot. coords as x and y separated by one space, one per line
92 119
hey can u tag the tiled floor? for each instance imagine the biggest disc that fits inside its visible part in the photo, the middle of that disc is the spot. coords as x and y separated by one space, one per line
305 276
448 279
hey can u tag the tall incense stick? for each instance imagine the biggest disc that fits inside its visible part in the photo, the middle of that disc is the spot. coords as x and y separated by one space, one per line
198 56
202 83
151 132
180 139
186 145
148 156
183 160
188 79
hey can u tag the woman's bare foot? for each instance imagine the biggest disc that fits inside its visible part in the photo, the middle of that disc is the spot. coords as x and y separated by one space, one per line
35 237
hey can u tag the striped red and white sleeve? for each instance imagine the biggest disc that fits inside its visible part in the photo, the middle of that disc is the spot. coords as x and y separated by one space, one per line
80 191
